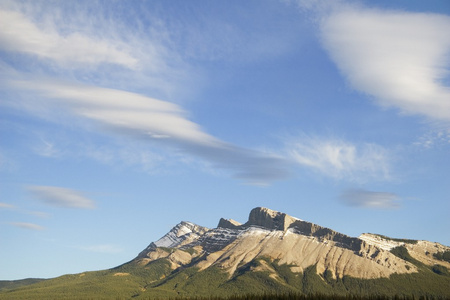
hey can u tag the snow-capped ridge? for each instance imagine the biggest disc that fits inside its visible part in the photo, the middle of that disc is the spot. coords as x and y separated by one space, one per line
181 234
381 242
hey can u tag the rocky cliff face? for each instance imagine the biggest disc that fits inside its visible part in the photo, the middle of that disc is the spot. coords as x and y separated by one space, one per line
228 223
287 240
269 219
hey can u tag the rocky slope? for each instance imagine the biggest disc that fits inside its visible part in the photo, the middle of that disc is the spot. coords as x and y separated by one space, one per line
287 240
422 251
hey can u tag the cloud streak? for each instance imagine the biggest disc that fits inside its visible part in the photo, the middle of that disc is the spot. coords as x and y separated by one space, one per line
7 206
19 34
61 197
402 59
370 199
14 208
29 226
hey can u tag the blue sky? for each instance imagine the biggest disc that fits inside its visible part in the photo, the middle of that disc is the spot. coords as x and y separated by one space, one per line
119 119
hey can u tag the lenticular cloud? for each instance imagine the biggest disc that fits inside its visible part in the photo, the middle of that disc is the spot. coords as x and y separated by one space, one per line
370 199
141 117
62 197
402 59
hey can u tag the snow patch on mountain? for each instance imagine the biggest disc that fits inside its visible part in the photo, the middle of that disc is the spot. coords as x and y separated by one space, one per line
375 240
215 239
180 234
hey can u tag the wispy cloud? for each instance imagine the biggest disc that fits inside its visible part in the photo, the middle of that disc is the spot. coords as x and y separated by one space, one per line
61 197
400 58
370 199
115 152
7 163
46 148
436 138
341 159
20 34
80 40
30 226
14 208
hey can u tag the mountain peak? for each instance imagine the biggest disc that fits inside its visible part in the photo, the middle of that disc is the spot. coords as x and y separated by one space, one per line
228 223
183 233
270 219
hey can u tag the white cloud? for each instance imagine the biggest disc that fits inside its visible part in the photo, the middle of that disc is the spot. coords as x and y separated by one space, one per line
20 34
62 197
400 58
30 226
370 199
341 159
121 111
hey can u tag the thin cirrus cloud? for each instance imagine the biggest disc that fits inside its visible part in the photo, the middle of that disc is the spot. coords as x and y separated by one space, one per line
30 226
399 58
370 199
61 197
340 159
19 34
436 138
74 42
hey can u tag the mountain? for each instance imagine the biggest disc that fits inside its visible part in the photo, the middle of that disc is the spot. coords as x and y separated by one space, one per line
272 253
